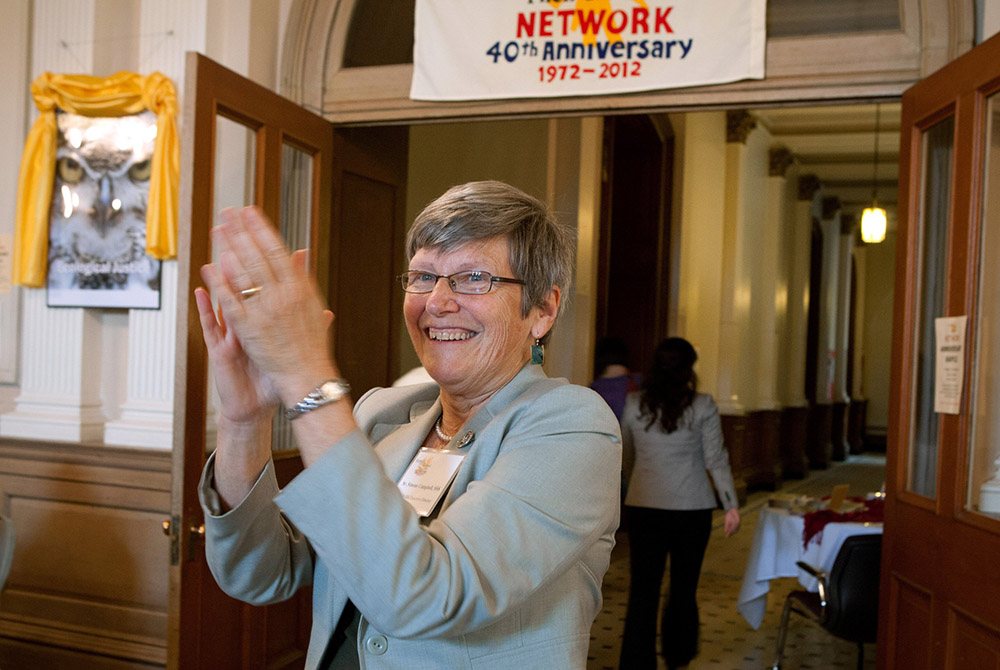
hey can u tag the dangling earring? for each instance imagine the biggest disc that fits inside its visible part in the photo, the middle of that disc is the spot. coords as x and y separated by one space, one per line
537 353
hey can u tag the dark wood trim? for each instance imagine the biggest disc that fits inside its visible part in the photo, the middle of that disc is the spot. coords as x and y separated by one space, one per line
733 432
856 415
794 437
762 447
838 431
819 428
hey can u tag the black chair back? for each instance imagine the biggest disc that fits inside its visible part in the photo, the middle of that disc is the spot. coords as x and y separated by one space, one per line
852 597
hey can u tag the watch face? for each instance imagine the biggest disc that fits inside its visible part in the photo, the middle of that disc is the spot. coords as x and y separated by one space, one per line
331 390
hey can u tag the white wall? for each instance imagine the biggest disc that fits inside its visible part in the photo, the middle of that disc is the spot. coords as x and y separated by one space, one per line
444 155
880 270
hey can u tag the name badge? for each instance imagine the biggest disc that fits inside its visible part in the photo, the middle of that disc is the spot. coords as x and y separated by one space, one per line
428 477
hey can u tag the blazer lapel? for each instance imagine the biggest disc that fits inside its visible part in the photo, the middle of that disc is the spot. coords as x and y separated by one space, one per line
397 448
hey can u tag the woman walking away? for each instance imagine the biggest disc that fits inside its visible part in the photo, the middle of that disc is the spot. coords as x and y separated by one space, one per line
674 435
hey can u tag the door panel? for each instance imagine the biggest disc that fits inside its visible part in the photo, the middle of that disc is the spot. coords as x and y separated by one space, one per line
635 232
242 144
370 167
939 605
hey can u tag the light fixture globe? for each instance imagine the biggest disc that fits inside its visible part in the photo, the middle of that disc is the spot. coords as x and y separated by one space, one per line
873 224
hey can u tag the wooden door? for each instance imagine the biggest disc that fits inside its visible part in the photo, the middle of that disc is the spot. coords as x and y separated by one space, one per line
633 262
940 597
242 144
369 214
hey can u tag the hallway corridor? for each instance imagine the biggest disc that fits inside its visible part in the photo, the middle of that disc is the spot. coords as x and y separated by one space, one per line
727 641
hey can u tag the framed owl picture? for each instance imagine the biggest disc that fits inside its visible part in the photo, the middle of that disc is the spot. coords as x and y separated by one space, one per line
97 221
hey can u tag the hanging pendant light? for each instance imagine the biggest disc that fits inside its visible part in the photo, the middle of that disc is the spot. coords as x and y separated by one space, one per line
873 221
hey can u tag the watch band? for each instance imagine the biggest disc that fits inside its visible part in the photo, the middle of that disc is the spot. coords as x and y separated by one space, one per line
328 392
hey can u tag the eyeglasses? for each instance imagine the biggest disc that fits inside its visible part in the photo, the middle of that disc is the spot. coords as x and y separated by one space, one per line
472 282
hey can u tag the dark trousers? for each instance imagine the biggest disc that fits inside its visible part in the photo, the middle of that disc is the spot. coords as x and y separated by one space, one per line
655 534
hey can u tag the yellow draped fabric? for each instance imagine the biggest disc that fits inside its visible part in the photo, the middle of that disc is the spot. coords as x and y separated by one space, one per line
118 95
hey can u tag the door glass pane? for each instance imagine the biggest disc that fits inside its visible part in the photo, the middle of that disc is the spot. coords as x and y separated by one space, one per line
233 176
296 220
233 173
296 196
984 459
936 151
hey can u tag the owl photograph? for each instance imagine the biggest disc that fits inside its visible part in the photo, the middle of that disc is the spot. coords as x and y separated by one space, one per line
97 224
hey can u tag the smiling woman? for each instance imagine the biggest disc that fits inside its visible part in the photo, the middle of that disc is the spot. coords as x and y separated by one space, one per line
443 524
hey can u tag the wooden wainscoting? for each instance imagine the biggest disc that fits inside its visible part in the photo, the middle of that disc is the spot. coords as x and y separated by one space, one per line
762 444
733 432
856 417
88 586
820 428
794 437
838 431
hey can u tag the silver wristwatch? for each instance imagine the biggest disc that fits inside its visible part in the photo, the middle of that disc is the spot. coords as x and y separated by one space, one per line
324 394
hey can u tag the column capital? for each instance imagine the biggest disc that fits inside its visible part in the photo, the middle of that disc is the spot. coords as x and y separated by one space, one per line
831 205
808 185
779 160
847 223
739 123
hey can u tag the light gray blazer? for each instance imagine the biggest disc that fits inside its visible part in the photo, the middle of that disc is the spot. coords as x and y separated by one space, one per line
668 470
508 574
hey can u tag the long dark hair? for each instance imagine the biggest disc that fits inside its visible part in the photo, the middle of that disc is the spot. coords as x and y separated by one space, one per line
670 386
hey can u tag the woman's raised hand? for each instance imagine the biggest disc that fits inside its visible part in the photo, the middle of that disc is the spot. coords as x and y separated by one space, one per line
268 341
245 393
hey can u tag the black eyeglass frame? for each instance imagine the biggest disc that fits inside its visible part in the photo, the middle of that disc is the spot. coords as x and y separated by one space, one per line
403 279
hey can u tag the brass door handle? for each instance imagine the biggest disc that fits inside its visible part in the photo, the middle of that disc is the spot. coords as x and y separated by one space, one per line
195 534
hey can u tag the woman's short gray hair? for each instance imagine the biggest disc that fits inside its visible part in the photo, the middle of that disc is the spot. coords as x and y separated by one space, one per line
542 249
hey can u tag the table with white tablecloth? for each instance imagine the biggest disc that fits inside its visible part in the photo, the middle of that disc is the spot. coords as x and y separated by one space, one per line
777 546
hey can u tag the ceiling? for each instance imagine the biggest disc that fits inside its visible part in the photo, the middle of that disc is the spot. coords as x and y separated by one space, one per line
837 144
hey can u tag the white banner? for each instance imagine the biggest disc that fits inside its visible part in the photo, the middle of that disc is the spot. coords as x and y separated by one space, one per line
484 49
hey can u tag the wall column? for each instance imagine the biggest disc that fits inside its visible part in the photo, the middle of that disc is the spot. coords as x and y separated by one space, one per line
147 412
702 160
147 415
60 370
795 415
858 409
770 309
841 393
734 306
700 157
764 421
820 449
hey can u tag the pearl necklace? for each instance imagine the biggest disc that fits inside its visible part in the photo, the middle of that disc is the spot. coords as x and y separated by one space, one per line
440 433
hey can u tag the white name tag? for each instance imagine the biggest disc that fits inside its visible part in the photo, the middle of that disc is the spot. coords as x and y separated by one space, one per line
428 477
